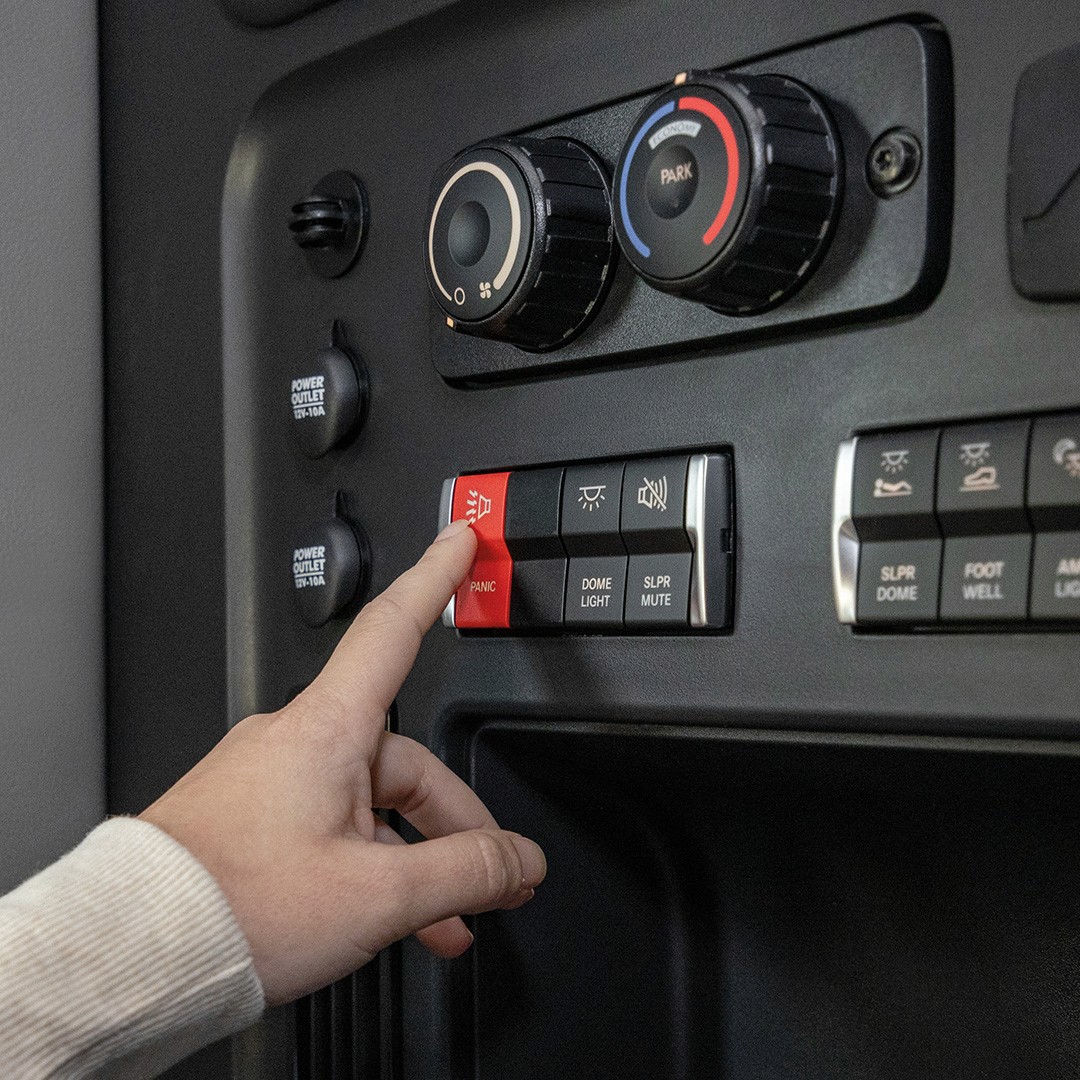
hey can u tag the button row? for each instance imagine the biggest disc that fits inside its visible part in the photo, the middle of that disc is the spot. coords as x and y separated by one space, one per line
978 578
967 523
968 480
639 545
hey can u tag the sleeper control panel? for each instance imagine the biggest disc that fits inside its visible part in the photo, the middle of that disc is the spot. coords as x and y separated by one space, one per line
968 523
611 546
807 185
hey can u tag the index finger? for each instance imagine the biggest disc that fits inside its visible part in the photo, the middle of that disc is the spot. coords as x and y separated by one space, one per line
371 661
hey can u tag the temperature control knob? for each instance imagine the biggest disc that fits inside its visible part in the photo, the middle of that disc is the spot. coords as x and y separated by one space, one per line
728 188
519 240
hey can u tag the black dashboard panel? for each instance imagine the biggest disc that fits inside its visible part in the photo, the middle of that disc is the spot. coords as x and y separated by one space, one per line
964 347
783 407
887 256
893 757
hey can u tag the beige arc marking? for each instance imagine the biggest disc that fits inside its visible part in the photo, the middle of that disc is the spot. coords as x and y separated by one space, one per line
515 222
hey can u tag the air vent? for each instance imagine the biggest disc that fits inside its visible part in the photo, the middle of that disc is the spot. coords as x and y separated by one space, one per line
337 1030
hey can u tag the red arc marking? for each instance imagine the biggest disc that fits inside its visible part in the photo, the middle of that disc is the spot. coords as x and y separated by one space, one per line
732 147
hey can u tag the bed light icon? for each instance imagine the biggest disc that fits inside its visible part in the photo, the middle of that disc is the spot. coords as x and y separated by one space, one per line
893 461
974 454
479 506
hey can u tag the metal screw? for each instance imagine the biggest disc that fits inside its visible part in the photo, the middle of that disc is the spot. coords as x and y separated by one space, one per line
893 162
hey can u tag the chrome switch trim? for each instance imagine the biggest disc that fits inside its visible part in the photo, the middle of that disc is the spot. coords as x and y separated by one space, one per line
446 509
695 526
845 541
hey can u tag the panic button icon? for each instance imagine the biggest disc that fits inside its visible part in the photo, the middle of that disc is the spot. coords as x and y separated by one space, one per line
483 601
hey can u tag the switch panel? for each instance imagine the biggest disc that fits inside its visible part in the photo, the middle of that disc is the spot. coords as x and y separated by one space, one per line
611 546
532 539
968 523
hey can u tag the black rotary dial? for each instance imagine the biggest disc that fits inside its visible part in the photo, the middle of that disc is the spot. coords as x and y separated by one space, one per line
728 188
519 243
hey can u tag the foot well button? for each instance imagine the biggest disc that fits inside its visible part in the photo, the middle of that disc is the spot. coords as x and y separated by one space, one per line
985 578
980 486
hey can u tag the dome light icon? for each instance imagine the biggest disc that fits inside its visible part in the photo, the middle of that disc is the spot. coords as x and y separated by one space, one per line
591 495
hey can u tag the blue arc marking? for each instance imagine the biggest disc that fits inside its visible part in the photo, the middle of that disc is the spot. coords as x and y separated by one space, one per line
634 238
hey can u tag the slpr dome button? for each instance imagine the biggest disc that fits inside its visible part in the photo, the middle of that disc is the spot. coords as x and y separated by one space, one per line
898 581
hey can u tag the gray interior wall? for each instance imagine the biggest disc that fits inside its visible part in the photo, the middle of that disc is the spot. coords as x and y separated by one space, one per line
178 80
52 770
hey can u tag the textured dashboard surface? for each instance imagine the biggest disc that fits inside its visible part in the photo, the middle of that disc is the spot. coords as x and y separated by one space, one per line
393 108
784 407
978 349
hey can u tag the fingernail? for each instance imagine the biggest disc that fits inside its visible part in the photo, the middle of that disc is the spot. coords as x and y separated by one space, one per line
533 863
520 900
452 529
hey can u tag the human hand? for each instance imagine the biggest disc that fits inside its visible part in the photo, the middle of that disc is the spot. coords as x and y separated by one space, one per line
281 810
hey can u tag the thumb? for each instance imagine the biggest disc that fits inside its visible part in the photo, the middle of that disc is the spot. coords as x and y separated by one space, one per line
461 874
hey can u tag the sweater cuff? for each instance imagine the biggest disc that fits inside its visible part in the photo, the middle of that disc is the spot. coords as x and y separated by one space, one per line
119 960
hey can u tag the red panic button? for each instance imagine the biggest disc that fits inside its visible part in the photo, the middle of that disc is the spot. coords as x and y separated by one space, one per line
483 601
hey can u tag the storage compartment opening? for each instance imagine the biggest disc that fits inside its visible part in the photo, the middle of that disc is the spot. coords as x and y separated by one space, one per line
778 907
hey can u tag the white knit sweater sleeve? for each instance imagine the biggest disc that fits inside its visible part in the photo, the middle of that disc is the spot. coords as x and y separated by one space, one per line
119 960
